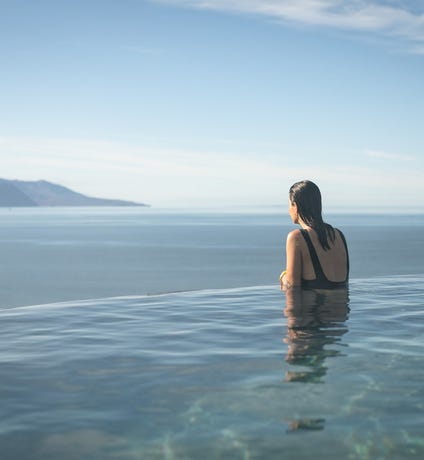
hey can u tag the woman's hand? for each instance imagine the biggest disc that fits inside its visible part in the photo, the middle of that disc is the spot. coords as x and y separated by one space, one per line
282 280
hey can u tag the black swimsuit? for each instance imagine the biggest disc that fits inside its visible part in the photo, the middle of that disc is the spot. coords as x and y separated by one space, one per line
321 281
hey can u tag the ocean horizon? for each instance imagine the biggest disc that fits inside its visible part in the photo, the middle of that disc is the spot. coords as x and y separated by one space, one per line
61 254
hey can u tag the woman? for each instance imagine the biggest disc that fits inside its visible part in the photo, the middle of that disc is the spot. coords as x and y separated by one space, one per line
316 255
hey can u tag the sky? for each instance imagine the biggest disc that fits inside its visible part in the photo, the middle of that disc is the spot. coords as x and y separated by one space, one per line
216 103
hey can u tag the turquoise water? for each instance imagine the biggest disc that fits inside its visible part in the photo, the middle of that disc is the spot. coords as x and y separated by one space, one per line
242 373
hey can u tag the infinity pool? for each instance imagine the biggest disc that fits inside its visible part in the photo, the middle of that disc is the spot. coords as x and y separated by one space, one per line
246 373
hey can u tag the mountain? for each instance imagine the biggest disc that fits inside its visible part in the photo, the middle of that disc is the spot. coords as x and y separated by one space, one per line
11 196
15 193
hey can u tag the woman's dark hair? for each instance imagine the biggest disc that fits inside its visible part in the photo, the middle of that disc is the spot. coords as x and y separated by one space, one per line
306 195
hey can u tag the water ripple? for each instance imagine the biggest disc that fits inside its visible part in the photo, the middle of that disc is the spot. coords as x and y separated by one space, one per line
219 373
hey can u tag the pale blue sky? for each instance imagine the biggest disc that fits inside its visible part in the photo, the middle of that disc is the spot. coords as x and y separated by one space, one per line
213 103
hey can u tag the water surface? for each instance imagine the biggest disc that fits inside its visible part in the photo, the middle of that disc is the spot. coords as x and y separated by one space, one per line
50 255
238 373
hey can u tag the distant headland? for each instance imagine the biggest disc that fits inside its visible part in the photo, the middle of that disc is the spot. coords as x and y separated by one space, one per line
14 193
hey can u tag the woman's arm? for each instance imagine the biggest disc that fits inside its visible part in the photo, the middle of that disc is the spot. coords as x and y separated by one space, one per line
292 275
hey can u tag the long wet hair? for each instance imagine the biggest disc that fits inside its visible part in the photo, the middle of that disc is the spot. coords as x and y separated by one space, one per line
306 195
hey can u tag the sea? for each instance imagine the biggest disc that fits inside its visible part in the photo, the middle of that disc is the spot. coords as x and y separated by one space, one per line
137 333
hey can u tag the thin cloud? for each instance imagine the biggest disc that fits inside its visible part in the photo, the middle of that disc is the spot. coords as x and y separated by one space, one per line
184 178
355 15
388 156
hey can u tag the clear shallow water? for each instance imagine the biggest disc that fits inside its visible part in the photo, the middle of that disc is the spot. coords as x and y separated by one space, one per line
240 373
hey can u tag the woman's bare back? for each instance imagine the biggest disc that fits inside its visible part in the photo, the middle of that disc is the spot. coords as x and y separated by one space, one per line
333 261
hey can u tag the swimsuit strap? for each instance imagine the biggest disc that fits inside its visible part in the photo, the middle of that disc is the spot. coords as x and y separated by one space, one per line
319 273
347 252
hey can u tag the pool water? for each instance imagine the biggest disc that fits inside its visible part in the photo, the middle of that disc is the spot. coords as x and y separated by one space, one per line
245 373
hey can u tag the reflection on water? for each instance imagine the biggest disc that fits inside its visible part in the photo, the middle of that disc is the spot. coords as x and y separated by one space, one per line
200 375
316 321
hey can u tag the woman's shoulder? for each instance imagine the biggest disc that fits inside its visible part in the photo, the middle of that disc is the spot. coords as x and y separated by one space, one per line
339 233
296 233
295 236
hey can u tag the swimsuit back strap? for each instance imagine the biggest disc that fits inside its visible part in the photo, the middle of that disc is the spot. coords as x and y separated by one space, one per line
319 273
347 252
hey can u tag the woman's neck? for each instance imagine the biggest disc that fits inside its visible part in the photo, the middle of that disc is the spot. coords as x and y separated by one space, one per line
304 225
